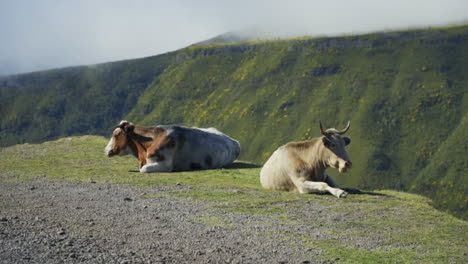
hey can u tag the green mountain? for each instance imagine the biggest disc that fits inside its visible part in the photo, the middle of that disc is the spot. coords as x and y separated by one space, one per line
404 93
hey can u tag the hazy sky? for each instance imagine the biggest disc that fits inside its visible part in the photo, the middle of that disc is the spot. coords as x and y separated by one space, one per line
43 34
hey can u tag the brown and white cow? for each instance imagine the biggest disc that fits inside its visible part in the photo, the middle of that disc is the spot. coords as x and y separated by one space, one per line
301 165
173 148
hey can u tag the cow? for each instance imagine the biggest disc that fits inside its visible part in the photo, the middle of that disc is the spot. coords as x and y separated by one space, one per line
300 166
167 148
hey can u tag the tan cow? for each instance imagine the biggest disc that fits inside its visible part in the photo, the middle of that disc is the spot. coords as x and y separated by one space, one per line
173 148
301 165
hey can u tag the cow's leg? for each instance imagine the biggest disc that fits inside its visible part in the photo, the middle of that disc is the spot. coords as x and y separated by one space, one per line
329 180
141 154
162 166
320 187
159 162
304 186
156 160
141 163
333 184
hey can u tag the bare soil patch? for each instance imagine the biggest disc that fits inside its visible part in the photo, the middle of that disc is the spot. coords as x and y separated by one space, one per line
52 222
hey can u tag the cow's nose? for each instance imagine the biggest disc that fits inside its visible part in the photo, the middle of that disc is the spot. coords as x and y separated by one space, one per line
348 164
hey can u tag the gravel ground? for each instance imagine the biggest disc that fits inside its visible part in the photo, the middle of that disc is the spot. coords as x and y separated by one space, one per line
50 222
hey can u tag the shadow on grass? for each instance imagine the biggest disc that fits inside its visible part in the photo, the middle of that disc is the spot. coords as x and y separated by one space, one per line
357 191
241 165
234 165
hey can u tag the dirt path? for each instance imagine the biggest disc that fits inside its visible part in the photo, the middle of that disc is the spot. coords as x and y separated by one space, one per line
49 222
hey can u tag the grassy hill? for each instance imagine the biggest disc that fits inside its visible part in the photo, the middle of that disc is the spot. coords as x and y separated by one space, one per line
374 227
404 92
72 101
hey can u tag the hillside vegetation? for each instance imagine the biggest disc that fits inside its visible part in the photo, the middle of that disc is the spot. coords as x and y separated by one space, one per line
404 92
372 227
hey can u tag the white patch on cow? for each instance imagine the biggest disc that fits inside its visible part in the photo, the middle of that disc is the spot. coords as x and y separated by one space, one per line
342 168
212 130
168 130
339 164
163 166
109 145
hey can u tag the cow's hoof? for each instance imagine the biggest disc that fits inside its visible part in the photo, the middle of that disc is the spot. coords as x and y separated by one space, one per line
343 194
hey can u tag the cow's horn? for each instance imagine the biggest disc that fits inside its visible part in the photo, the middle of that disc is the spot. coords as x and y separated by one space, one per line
345 129
321 129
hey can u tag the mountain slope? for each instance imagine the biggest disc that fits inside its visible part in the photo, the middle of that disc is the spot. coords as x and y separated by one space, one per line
404 93
72 101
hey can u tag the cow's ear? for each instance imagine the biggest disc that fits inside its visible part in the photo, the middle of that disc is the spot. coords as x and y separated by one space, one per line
347 141
129 128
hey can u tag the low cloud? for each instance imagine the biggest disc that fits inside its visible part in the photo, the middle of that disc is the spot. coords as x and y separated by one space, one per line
38 35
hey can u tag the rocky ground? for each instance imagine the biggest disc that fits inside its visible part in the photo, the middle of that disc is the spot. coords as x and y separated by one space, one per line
51 222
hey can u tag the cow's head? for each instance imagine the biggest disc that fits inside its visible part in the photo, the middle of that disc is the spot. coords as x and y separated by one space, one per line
335 144
118 144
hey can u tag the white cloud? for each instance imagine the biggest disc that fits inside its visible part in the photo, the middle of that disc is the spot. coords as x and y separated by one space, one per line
43 34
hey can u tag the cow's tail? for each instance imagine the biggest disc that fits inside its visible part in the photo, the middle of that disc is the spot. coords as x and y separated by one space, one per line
237 149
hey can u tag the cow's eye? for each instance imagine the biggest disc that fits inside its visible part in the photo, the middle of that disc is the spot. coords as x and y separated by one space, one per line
329 144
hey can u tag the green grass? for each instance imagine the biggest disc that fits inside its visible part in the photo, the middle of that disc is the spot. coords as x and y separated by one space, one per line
402 227
404 93
409 221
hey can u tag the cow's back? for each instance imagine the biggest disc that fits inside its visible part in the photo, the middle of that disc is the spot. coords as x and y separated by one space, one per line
199 148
